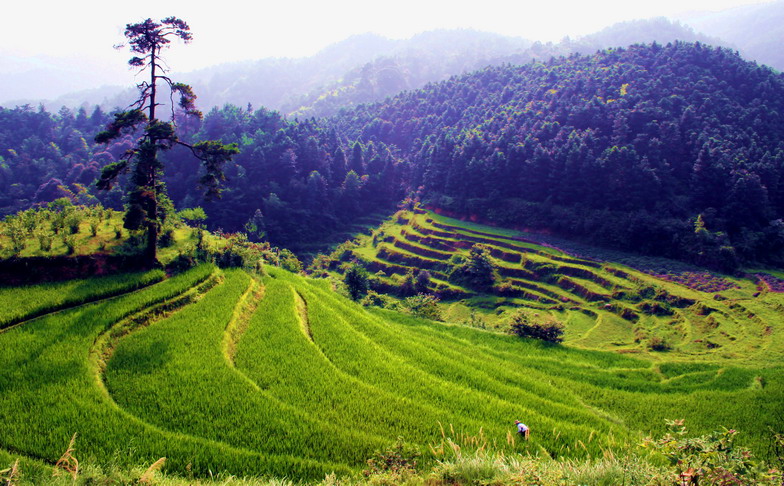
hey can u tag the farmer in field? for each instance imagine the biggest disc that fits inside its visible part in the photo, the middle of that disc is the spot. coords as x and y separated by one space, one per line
522 429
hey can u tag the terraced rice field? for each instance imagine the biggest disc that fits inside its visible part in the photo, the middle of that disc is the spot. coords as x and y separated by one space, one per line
218 370
604 305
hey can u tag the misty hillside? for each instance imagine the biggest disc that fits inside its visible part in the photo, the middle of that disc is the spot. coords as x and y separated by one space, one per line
756 30
286 84
368 68
371 64
30 79
624 34
459 52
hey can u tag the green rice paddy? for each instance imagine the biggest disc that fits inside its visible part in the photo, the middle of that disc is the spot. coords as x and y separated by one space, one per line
223 371
604 305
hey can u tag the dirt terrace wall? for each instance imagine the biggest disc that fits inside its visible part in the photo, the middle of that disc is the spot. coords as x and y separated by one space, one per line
23 271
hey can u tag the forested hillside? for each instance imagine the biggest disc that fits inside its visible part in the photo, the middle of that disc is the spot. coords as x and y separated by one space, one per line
671 150
434 56
292 183
363 68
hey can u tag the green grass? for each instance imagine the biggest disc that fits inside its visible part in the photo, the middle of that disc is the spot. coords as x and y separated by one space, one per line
221 371
611 306
51 391
315 383
160 372
21 303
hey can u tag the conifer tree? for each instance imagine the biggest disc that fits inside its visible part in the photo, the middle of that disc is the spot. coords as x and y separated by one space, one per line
146 189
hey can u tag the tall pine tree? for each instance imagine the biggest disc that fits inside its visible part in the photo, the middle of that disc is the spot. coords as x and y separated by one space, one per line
145 186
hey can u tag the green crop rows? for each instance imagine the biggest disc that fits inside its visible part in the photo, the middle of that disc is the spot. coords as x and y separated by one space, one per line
604 305
220 371
21 303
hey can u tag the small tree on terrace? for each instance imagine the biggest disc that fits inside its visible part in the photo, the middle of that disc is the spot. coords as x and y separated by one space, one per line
477 271
356 279
146 189
547 329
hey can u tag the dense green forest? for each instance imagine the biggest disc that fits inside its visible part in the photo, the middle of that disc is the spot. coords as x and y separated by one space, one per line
291 181
669 150
626 147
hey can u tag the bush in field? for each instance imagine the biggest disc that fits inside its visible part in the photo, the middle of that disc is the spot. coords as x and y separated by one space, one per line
423 280
375 299
658 343
193 216
408 284
72 222
477 271
709 459
547 329
356 280
423 305
45 238
70 244
505 287
166 240
13 228
289 261
398 460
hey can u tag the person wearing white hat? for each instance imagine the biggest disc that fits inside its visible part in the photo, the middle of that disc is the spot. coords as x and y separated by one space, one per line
522 429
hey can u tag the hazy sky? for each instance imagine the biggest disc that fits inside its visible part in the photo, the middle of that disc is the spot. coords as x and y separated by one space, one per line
231 30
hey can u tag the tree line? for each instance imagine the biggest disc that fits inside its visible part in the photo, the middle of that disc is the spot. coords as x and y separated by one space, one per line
671 150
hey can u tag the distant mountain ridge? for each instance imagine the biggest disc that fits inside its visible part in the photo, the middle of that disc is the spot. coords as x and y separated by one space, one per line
368 67
757 31
279 83
384 68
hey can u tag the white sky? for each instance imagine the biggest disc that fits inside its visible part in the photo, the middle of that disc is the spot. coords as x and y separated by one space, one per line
232 30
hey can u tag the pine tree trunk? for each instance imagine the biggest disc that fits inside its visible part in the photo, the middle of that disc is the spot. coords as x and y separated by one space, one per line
151 250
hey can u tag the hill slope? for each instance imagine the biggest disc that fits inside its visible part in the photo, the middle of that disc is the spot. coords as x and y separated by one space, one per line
756 30
221 372
671 150
627 146
691 314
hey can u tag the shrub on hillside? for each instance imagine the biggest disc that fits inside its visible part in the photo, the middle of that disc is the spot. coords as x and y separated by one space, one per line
546 329
376 299
710 459
658 343
423 305
166 238
356 280
398 460
319 266
423 280
407 284
478 271
289 261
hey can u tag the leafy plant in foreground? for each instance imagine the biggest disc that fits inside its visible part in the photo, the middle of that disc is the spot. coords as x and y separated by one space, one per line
711 458
398 460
